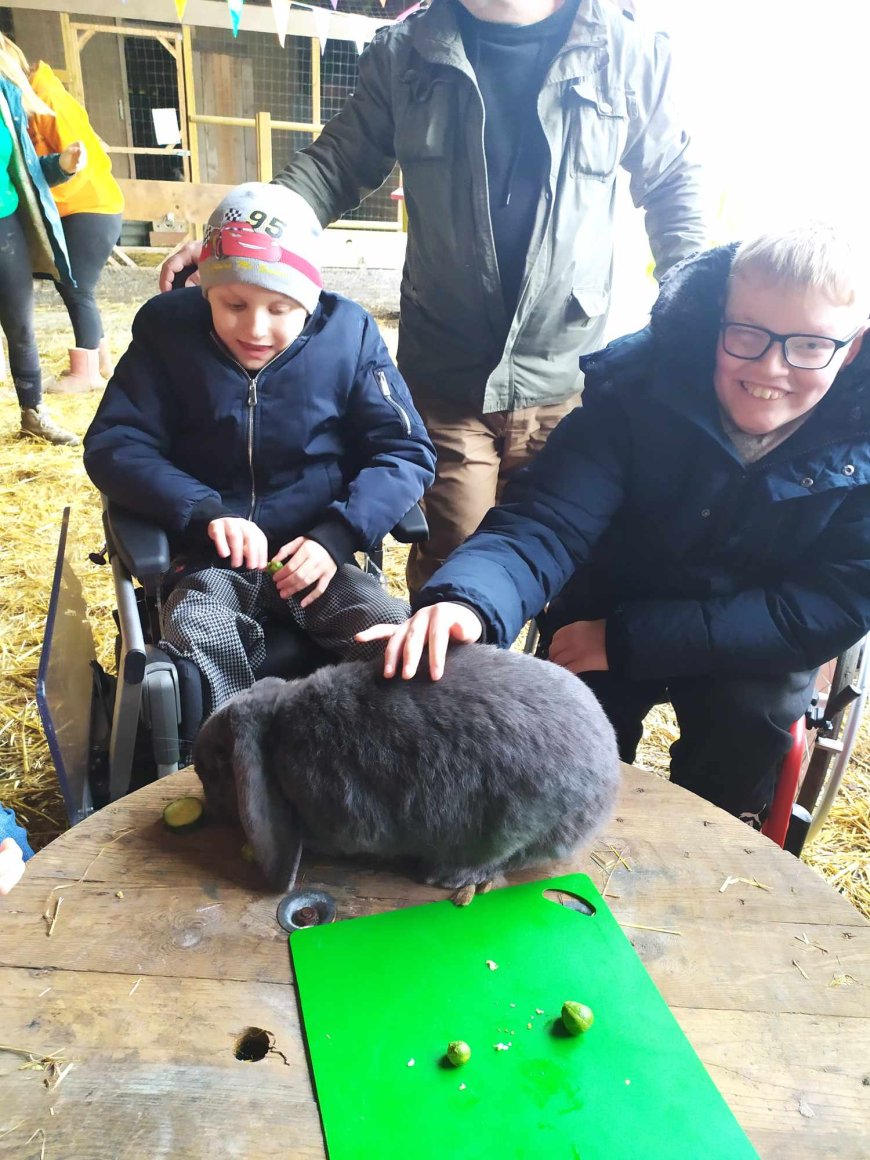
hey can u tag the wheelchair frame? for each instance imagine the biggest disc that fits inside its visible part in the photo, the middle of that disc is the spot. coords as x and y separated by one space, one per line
822 744
147 687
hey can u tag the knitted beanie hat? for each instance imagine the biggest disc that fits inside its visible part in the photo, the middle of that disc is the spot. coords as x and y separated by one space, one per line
267 236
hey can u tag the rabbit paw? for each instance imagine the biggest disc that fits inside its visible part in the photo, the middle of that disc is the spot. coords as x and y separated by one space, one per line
465 894
479 878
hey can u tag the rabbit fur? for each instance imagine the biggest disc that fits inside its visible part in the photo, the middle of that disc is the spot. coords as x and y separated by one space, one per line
506 761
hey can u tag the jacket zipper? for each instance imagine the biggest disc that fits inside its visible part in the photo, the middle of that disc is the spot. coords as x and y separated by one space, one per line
252 402
385 391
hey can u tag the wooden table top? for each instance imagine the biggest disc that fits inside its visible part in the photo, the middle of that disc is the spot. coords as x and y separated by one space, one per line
164 950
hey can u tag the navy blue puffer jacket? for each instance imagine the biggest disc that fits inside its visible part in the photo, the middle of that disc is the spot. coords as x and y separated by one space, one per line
699 563
324 441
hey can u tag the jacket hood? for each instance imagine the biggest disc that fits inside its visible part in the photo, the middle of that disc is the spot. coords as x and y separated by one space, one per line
677 350
45 76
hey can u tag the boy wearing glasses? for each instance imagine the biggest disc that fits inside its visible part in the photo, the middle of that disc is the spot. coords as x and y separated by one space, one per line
701 527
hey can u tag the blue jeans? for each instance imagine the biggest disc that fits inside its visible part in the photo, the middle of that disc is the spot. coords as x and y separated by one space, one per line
9 828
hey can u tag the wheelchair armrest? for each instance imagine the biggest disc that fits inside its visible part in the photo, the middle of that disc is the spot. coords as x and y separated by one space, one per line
412 527
141 546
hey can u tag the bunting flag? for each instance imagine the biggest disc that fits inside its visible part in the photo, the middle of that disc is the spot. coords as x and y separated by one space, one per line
321 26
180 6
361 34
334 4
235 7
281 15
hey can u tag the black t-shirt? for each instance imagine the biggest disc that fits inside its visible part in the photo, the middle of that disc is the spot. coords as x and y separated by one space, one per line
510 62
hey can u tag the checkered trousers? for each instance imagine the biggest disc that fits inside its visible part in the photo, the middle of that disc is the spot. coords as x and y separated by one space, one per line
213 618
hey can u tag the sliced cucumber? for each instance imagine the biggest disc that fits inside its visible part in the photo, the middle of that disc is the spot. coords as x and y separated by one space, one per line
274 566
183 814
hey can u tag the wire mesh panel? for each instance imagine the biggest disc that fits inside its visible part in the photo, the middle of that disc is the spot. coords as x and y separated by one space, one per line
299 85
130 87
243 106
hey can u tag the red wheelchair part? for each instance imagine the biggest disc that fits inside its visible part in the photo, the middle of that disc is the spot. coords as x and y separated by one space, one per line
776 826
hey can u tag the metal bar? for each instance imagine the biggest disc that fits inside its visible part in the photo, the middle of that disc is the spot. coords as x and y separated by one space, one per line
128 694
850 734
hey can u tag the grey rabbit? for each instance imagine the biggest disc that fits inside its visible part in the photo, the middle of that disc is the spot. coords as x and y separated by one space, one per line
506 761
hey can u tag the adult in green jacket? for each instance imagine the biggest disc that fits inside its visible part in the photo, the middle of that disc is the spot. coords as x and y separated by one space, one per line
510 120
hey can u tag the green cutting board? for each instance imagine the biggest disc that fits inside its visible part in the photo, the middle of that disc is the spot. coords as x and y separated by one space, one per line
382 996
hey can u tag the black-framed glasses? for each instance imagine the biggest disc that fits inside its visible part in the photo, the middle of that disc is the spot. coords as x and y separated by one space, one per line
805 352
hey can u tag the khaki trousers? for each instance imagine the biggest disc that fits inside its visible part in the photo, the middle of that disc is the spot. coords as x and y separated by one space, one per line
477 455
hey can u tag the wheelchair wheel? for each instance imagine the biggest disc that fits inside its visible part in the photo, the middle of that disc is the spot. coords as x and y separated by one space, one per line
829 746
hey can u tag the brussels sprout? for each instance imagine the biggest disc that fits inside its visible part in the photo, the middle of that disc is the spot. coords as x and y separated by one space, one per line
458 1052
577 1017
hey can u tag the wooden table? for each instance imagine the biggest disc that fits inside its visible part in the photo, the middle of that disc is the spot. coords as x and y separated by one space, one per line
164 951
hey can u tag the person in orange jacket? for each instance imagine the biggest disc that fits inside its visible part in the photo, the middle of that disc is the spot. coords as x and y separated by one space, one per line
90 206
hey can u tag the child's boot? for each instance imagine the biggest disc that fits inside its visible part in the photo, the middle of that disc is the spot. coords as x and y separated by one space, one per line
37 421
83 375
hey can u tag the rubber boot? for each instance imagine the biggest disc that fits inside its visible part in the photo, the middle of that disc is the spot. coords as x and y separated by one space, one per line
83 375
107 365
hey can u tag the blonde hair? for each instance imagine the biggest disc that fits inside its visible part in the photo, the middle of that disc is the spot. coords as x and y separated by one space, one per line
14 67
818 255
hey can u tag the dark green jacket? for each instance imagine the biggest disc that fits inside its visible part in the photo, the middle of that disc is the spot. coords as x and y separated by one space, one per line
604 103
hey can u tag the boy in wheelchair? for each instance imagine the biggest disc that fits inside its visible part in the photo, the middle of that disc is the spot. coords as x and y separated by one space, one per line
700 528
260 419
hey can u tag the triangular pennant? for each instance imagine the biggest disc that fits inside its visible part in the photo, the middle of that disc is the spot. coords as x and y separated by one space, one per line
334 4
235 7
321 27
361 34
281 15
180 6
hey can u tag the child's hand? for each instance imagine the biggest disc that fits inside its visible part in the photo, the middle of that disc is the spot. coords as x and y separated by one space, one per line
74 158
432 628
11 864
580 647
241 540
307 563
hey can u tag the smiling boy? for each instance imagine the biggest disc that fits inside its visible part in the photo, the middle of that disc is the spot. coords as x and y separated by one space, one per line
259 419
701 527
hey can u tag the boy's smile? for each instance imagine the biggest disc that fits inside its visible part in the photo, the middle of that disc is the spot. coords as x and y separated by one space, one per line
760 395
254 324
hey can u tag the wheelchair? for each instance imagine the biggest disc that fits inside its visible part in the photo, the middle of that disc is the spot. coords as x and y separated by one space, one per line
111 733
822 743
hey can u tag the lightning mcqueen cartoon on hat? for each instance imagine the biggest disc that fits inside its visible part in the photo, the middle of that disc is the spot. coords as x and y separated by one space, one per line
241 240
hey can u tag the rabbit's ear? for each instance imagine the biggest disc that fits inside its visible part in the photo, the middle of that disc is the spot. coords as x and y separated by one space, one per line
264 812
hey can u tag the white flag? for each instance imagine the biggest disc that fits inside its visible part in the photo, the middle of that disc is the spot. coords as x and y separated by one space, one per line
321 27
281 16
